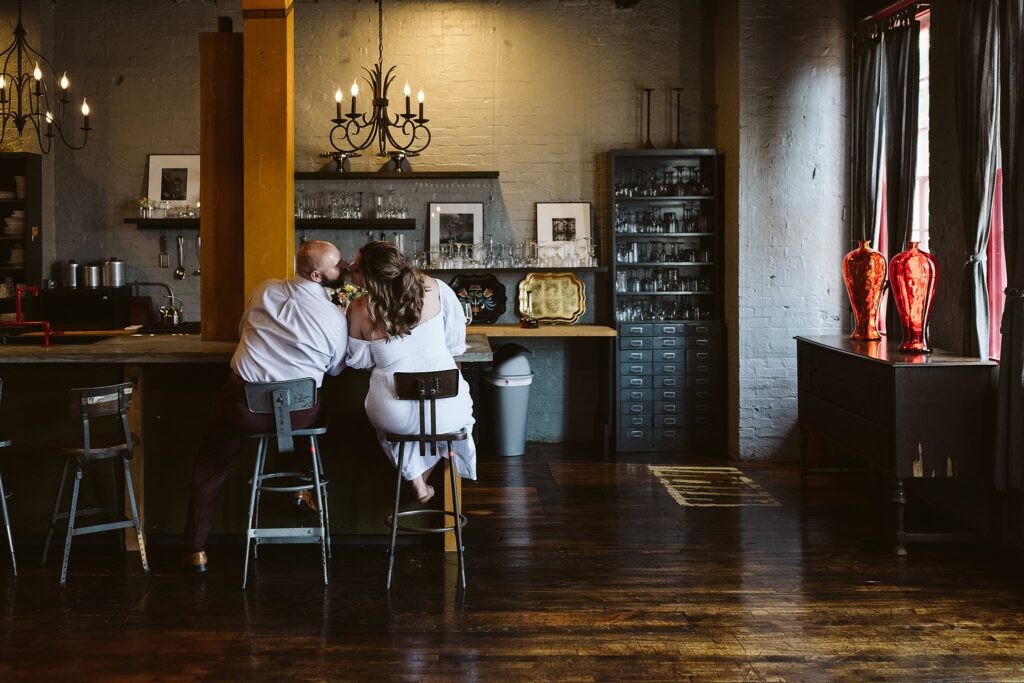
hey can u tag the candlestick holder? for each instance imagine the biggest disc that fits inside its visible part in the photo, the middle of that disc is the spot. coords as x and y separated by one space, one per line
341 160
648 144
679 118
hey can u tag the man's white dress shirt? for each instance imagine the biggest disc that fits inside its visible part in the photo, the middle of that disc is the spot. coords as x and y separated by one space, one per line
290 330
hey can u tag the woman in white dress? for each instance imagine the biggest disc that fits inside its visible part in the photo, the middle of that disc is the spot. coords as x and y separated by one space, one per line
408 322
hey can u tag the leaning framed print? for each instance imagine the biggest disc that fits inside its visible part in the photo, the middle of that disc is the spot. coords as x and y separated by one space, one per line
565 227
456 224
174 178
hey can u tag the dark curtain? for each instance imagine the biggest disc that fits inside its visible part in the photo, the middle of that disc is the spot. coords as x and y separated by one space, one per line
1010 435
902 70
867 134
977 132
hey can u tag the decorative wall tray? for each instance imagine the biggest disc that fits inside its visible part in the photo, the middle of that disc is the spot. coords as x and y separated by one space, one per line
484 292
552 297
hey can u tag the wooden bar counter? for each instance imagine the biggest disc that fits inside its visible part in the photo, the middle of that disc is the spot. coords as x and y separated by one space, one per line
176 379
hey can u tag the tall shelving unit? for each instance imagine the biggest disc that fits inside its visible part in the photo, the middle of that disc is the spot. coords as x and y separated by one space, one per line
667 299
28 241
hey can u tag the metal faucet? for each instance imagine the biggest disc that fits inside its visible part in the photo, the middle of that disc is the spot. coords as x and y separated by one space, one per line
138 284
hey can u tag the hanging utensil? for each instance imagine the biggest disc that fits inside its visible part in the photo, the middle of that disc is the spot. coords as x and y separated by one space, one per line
165 258
199 246
180 273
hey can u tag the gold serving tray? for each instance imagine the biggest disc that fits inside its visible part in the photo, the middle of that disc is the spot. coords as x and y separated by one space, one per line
558 298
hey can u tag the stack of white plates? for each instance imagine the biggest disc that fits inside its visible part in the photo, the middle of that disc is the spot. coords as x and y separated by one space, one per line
7 194
14 225
17 256
19 186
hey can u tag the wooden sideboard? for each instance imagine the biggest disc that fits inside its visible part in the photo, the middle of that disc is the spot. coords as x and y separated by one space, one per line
905 415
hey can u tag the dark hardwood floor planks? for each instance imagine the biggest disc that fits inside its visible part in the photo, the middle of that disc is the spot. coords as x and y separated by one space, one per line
579 570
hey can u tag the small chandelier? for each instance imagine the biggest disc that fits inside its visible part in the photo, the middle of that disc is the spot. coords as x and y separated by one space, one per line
26 99
405 134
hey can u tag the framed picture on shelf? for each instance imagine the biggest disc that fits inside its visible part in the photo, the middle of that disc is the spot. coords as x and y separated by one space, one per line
564 227
174 178
456 224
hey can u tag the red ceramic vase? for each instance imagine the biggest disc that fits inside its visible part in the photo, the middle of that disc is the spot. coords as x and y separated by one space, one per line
913 274
864 274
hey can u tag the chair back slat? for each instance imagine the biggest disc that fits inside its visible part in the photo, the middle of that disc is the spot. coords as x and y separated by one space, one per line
415 386
114 399
282 399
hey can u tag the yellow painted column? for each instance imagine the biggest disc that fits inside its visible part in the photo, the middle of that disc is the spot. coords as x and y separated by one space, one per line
269 140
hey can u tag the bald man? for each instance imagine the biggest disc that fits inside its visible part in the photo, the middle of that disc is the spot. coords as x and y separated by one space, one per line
289 330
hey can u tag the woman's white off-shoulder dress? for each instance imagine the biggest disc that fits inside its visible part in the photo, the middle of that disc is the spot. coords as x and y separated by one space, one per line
430 346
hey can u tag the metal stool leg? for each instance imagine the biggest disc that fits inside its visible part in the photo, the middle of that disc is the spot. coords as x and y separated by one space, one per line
318 490
56 509
118 501
327 506
71 525
7 526
264 448
256 469
135 514
394 517
453 473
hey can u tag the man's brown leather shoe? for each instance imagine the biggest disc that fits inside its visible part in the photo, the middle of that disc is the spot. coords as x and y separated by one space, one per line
304 500
194 563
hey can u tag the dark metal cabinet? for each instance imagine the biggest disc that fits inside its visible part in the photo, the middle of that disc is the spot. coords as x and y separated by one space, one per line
905 415
667 283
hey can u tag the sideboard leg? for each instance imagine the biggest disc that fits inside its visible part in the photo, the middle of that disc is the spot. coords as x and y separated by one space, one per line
899 497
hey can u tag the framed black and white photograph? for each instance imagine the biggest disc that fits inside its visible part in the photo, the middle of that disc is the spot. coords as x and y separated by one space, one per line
174 178
562 221
456 224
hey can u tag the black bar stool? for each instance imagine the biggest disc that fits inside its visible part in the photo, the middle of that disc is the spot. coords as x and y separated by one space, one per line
282 399
6 443
424 387
89 404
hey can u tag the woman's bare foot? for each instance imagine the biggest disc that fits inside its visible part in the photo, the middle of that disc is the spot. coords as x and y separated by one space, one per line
424 491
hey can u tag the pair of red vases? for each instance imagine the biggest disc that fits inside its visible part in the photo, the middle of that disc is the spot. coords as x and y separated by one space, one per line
913 275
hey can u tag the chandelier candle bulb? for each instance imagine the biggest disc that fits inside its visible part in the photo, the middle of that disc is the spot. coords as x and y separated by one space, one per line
85 114
419 98
64 85
3 90
408 91
38 75
49 125
337 102
355 93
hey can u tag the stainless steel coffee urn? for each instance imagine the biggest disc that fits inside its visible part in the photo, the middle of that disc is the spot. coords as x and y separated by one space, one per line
113 272
90 276
69 274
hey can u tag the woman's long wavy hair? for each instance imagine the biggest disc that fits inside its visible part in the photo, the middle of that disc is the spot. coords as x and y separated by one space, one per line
394 289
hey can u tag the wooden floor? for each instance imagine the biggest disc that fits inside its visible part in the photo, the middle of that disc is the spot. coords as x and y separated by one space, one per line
579 570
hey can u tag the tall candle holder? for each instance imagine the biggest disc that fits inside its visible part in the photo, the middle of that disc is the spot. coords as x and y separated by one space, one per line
648 144
679 118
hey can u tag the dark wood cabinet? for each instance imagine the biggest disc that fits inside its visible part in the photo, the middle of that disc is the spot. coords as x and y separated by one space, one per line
909 416
20 217
666 281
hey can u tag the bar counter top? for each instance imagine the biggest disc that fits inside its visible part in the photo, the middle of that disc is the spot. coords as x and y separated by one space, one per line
117 346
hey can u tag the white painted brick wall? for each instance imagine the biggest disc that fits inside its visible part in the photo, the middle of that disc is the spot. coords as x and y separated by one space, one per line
793 180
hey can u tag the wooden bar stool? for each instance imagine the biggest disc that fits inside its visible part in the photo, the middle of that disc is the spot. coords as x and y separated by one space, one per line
91 404
427 387
6 443
282 399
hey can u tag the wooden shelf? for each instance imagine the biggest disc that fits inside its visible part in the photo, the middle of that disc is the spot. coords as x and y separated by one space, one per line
659 235
542 331
666 198
300 223
390 175
658 264
687 293
456 271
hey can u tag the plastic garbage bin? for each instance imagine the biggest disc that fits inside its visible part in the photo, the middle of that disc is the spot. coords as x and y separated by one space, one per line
508 384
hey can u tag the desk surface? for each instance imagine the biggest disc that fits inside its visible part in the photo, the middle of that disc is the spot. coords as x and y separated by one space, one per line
887 351
543 331
122 348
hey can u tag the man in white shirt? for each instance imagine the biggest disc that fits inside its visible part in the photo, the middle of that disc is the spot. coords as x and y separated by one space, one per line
290 330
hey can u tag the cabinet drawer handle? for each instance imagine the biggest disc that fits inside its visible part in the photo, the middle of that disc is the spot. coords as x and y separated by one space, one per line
703 356
668 330
638 421
703 395
636 409
670 408
636 395
636 330
701 329
668 355
703 368
636 382
671 382
636 355
669 395
701 381
670 422
636 369
668 342
670 433
670 369
703 342
636 434
636 343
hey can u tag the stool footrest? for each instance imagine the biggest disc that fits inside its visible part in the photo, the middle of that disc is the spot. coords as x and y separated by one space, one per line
427 513
308 484
300 534
427 438
81 513
97 528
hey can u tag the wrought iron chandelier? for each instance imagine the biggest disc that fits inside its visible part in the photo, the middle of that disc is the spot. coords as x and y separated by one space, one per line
26 99
398 136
